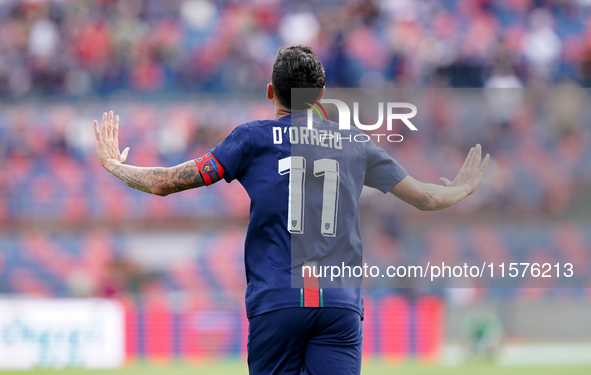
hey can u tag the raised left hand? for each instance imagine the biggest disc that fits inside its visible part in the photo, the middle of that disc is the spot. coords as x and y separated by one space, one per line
107 142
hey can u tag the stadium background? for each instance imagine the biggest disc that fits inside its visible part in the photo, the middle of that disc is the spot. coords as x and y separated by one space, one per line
182 74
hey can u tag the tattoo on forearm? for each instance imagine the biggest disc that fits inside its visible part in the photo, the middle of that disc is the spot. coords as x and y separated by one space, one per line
133 177
189 177
161 181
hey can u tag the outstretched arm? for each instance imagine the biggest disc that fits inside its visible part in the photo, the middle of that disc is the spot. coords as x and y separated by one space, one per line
157 180
431 197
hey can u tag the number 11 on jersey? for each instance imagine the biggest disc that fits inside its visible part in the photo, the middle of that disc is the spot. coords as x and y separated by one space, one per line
296 167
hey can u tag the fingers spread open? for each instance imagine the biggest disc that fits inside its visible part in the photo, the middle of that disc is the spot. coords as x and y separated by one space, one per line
104 123
473 160
468 158
124 155
116 131
478 154
110 126
484 163
105 127
97 133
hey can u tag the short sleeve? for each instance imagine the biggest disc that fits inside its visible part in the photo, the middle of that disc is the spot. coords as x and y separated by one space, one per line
234 152
383 172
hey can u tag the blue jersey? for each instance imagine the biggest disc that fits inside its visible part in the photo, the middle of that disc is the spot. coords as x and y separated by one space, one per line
304 185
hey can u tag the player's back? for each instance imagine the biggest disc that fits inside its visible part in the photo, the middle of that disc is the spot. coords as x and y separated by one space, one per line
304 185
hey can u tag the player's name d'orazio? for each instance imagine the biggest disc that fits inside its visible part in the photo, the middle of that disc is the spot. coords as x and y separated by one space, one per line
326 138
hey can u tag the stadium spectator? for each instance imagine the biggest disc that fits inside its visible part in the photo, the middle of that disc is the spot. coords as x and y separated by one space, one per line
61 47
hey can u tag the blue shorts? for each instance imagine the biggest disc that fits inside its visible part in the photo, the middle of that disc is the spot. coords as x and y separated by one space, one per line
305 340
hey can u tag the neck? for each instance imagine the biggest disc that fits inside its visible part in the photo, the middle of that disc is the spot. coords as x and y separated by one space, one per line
281 111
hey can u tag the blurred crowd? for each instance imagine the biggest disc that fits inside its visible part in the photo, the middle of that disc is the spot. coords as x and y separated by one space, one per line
51 179
73 48
540 147
134 54
210 266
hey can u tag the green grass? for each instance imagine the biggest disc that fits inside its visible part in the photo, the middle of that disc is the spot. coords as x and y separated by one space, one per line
236 367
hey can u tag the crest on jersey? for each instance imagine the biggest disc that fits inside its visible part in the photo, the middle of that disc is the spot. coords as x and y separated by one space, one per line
326 226
294 223
211 168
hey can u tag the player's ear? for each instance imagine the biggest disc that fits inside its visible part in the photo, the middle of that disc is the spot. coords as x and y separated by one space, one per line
270 93
321 93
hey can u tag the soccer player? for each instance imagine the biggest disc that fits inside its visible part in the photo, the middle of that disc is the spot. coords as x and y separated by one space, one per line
309 329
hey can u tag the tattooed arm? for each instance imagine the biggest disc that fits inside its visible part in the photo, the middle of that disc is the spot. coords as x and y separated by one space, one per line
431 197
159 181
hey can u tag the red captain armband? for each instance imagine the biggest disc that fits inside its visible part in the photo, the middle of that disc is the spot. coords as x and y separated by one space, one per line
210 168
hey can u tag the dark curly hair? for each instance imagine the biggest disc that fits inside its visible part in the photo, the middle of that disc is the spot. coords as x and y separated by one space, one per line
297 67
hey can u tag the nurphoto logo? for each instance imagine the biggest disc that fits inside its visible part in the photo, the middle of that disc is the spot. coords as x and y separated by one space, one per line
345 114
